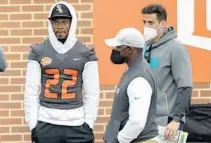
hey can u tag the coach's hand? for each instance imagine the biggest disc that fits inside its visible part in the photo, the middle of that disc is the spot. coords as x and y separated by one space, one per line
171 130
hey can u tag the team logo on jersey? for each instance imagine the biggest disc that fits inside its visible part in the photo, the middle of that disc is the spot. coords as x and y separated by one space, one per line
46 61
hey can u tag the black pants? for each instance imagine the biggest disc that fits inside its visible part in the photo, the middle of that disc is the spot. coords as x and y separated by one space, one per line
49 133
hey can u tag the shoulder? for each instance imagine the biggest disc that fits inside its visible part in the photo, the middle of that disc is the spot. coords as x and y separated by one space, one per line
83 47
138 82
36 49
88 51
178 46
139 87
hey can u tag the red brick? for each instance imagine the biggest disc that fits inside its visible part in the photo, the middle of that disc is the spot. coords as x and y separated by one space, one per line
6 48
86 30
200 101
12 73
10 24
46 23
102 119
4 2
20 1
23 72
20 129
105 103
82 7
12 57
18 64
4 113
7 65
195 93
27 137
101 95
20 48
101 111
99 141
77 14
99 136
20 16
107 87
24 122
84 23
21 32
86 15
206 93
4 81
4 97
17 97
25 56
9 8
32 40
77 30
13 137
42 32
33 8
108 111
41 16
11 121
17 80
201 85
47 7
85 39
99 128
4 130
10 105
4 17
84 1
109 95
10 40
43 1
17 113
72 1
10 88
4 32
33 24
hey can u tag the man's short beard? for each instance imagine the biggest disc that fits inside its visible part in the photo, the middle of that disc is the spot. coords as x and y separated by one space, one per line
62 40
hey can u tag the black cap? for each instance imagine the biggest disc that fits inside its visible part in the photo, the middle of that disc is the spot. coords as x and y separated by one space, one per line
60 10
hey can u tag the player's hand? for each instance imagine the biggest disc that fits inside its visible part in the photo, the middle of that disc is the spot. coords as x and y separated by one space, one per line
171 130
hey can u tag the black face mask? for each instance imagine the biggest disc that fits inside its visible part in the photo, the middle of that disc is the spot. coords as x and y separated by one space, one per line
116 58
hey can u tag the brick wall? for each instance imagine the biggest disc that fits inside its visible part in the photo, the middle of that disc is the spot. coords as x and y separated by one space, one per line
23 22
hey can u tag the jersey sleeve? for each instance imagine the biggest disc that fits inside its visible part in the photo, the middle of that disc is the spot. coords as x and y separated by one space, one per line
92 55
35 51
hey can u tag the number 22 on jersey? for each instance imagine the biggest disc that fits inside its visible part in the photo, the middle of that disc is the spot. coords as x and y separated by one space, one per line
55 81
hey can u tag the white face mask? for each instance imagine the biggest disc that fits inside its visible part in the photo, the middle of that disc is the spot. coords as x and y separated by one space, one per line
150 33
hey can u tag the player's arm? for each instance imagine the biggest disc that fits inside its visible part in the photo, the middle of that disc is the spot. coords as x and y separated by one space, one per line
2 60
139 98
91 89
181 70
32 90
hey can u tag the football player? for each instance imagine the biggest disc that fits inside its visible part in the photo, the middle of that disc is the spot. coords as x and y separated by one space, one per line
62 84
